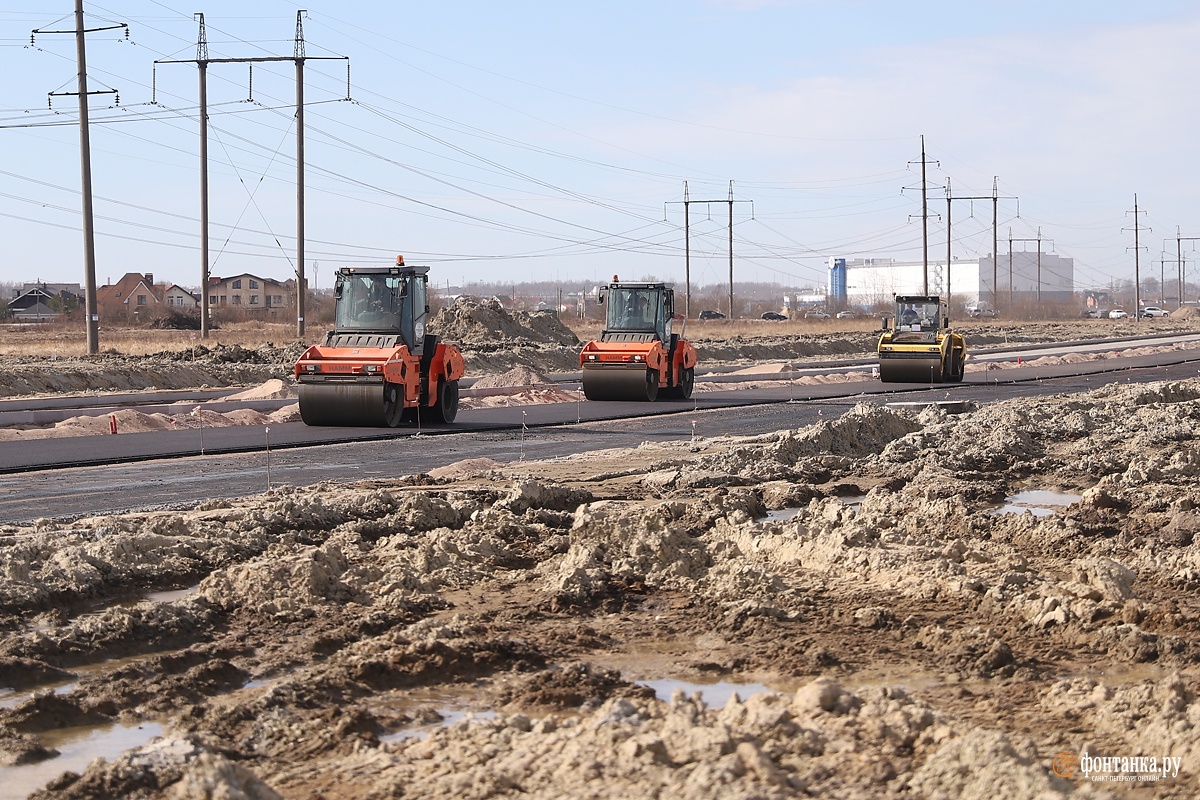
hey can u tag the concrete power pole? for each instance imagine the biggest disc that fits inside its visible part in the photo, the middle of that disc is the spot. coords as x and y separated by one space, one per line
995 198
924 215
1039 241
85 168
1137 247
202 61
687 245
1179 240
925 218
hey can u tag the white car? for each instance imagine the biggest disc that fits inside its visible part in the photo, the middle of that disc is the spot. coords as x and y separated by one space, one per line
1155 311
1117 313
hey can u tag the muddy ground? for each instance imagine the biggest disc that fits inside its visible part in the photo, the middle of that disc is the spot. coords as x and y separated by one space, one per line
572 628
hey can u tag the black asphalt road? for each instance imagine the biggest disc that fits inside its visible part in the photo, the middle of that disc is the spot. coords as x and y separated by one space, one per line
71 477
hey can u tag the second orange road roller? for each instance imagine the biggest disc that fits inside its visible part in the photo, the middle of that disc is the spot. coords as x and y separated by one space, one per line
378 367
637 356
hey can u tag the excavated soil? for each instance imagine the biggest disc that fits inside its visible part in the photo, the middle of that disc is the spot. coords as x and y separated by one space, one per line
868 607
856 609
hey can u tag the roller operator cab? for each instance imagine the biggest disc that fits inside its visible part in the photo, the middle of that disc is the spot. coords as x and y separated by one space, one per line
918 346
378 367
638 356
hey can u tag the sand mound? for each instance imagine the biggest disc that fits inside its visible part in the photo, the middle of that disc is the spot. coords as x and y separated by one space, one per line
273 389
517 376
471 322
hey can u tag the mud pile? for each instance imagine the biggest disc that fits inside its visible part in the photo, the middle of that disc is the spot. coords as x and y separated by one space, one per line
892 624
221 365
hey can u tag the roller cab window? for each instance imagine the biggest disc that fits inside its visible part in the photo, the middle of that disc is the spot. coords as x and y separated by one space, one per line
374 302
919 317
635 310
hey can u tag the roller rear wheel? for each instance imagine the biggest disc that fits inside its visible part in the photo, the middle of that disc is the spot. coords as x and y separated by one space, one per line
446 407
683 390
393 404
957 367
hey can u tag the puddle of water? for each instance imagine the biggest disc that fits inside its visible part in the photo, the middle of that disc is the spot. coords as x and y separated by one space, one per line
450 716
1039 502
783 514
715 695
77 748
171 595
451 704
10 698
167 596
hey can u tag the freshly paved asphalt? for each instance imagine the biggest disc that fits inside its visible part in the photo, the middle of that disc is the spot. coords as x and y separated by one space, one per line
71 477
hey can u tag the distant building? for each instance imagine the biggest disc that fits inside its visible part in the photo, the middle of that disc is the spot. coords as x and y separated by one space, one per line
134 297
45 302
1021 277
176 296
248 292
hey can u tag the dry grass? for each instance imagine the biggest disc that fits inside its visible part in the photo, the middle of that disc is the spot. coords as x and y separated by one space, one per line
722 329
70 341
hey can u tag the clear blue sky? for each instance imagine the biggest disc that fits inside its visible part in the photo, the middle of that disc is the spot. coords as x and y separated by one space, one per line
550 140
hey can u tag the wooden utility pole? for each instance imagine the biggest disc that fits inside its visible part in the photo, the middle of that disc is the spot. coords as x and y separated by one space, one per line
202 61
91 312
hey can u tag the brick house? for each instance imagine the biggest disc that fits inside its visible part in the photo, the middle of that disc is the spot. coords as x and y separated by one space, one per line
134 297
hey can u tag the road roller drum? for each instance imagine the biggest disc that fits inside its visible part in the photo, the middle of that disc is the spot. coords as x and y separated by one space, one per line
620 384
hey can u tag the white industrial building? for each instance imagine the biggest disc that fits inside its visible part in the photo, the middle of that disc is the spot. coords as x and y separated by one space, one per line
1022 277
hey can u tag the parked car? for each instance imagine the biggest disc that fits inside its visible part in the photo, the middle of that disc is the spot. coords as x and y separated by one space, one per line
980 311
851 313
1117 313
814 314
1154 311
710 314
774 316
1093 313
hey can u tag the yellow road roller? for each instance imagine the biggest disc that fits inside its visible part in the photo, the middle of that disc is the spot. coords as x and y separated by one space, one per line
919 346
